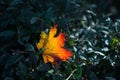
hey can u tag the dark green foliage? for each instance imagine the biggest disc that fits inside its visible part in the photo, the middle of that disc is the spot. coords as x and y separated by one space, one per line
92 36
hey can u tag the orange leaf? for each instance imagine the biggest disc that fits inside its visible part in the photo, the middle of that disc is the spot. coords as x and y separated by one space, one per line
53 46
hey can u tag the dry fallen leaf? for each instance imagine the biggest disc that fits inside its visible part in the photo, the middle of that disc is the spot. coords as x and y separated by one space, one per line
52 46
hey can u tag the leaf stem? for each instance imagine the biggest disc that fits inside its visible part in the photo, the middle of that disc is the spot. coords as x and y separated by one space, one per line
71 74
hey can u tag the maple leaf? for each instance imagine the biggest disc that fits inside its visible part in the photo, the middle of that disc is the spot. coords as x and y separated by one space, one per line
53 47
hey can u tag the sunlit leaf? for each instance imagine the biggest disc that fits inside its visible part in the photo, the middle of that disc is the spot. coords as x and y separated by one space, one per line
53 46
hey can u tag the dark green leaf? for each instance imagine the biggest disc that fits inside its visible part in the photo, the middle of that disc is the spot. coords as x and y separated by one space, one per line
9 78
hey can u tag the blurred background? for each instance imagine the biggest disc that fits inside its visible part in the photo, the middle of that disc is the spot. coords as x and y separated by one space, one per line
92 29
